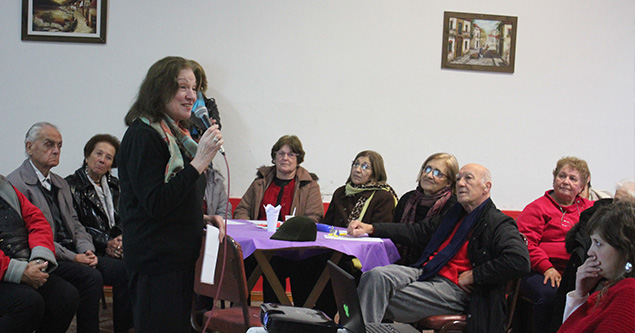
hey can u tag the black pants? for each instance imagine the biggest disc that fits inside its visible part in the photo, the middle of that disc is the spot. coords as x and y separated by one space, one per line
163 302
90 282
47 309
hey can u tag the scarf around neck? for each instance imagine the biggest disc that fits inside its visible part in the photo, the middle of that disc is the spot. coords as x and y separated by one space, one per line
358 211
454 216
175 163
435 202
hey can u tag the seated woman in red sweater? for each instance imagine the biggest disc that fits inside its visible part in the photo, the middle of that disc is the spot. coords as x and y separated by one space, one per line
546 222
611 256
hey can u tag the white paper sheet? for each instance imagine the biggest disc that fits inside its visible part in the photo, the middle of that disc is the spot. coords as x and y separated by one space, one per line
208 271
357 239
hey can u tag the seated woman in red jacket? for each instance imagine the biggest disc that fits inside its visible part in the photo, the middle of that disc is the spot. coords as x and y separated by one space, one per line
611 257
545 222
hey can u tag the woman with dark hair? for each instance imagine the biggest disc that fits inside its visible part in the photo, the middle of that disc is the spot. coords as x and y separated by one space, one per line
545 222
434 195
366 196
162 186
611 257
285 183
296 190
96 195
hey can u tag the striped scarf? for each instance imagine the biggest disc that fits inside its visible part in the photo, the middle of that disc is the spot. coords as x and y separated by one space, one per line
165 129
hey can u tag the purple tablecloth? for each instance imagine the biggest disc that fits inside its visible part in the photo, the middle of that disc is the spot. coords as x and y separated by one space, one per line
370 254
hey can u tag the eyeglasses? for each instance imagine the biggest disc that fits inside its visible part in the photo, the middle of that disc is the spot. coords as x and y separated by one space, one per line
290 154
435 172
365 166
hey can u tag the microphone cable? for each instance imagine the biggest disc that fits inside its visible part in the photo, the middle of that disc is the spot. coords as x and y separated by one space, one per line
224 241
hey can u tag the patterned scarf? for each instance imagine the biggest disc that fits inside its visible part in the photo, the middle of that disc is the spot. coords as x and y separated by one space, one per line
165 129
434 201
363 202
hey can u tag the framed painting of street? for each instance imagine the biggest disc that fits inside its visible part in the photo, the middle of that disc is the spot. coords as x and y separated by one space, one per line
78 21
479 42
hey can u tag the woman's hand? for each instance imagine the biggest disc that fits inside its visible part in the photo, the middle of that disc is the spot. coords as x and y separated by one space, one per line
35 274
217 221
587 276
208 145
113 249
357 228
552 275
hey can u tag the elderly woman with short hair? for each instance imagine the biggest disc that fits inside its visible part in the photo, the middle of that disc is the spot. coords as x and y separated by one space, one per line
285 183
545 222
96 194
366 196
296 190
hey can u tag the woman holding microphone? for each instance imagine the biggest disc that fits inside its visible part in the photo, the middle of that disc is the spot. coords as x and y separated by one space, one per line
161 204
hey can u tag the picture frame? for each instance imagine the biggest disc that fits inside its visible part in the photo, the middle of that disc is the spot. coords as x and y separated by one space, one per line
479 42
79 21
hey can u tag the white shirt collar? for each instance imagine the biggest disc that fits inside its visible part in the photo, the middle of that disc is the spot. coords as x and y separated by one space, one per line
45 181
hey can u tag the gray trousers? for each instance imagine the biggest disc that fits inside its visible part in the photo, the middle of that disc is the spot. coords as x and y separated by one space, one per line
393 292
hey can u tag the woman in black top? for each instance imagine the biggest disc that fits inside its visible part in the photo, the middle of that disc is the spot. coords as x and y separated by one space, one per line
96 195
161 205
434 195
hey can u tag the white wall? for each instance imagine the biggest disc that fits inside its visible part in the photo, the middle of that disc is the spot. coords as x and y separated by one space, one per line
347 76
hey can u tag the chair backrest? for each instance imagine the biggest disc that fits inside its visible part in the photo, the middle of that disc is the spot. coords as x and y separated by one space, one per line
234 284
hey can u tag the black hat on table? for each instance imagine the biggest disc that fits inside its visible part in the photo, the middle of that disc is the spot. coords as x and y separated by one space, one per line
298 229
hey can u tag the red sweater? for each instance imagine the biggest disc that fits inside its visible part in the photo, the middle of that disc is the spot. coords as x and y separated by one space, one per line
542 222
40 233
614 313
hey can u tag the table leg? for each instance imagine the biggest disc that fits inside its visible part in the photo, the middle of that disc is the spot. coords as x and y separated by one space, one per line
263 263
321 282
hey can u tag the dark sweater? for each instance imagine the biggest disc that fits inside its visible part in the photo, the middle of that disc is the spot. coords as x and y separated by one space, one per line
410 254
380 209
163 222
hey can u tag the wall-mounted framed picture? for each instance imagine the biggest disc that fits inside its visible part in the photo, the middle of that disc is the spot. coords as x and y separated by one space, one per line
479 42
77 21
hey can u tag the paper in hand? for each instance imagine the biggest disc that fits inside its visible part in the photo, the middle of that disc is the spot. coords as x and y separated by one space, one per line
208 271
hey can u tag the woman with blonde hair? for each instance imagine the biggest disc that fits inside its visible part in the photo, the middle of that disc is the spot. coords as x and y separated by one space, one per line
434 195
545 222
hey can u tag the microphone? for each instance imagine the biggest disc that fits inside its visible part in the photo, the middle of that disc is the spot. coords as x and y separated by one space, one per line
202 114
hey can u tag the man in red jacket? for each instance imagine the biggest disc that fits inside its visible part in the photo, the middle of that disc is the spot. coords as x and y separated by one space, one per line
30 298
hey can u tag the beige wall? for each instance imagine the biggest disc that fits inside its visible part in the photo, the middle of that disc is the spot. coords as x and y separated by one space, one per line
347 76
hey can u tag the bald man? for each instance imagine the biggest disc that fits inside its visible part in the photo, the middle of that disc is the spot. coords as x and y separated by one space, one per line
470 253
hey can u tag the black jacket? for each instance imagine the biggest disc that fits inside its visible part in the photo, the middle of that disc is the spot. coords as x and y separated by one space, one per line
497 253
410 254
91 212
163 222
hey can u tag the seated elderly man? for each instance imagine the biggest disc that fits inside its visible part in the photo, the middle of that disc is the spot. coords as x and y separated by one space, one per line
74 248
470 253
30 298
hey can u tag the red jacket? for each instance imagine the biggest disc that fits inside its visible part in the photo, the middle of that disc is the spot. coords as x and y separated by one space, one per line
40 233
546 225
614 313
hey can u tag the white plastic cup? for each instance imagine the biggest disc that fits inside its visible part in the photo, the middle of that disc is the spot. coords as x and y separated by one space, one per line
287 217
272 221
